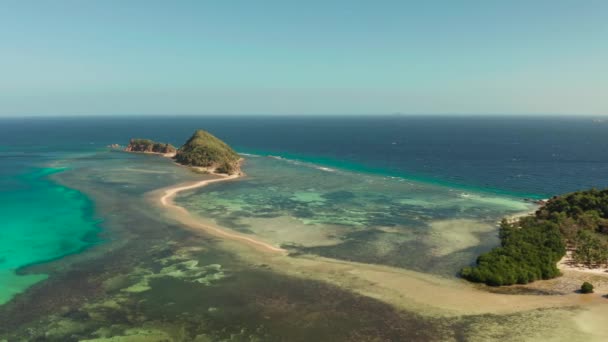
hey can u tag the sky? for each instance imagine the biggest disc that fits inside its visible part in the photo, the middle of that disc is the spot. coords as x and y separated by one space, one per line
303 57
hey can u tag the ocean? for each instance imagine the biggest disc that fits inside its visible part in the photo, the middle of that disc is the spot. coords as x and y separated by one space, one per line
412 192
540 156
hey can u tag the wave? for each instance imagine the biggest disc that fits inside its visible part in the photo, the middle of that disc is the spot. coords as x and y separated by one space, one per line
305 164
249 154
337 166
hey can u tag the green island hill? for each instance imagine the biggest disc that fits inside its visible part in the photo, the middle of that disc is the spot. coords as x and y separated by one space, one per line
206 151
532 246
203 152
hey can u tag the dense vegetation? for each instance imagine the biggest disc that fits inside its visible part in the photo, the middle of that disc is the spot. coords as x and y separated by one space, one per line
582 218
531 247
146 145
205 150
527 253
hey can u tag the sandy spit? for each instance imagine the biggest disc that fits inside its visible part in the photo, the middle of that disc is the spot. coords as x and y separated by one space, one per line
181 214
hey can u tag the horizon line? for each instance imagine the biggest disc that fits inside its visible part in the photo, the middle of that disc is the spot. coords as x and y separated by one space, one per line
395 114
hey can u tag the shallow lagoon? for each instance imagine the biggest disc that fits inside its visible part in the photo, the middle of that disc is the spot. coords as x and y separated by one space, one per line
152 280
360 217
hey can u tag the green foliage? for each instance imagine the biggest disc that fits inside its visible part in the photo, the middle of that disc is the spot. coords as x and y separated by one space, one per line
586 288
228 168
577 211
526 254
590 250
531 248
204 149
146 145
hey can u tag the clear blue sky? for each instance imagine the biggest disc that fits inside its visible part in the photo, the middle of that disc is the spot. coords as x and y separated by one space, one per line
303 57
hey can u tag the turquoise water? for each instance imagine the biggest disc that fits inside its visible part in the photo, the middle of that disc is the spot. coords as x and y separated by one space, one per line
498 157
41 221
430 203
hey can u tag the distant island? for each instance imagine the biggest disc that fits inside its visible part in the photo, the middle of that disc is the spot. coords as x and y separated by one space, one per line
203 151
532 246
149 146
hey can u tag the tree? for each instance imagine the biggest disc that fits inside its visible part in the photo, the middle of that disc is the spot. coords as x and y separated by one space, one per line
526 254
589 249
505 231
226 167
586 288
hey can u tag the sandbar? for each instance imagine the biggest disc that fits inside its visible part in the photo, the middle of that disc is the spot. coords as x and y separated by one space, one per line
166 200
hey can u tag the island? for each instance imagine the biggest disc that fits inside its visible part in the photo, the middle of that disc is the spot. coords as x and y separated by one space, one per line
206 152
203 152
570 229
149 146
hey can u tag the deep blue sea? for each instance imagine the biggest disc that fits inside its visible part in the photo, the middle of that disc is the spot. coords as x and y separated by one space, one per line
536 157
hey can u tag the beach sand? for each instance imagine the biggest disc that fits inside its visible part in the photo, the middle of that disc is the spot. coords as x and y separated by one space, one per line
166 200
567 263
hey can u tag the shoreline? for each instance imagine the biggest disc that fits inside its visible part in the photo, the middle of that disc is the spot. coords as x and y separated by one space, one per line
184 216
165 155
514 218
567 264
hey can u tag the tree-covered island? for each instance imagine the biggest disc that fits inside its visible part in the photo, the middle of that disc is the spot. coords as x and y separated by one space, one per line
206 151
531 247
149 146
202 151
